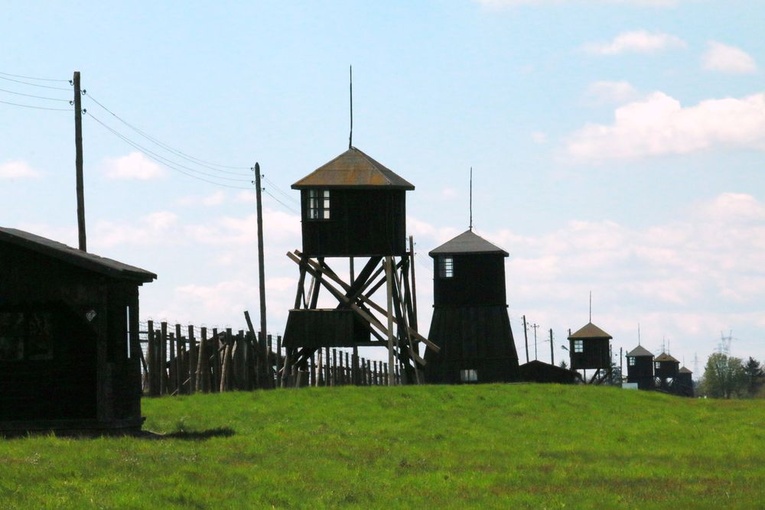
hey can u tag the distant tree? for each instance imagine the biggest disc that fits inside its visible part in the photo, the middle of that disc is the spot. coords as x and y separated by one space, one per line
755 377
724 377
563 364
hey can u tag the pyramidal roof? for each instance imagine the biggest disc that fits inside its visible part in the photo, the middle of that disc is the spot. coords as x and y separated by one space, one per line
640 351
467 242
665 357
684 370
590 330
353 169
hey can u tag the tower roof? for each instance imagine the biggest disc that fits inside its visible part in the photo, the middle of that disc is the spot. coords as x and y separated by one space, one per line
684 370
640 351
665 357
467 242
589 330
353 169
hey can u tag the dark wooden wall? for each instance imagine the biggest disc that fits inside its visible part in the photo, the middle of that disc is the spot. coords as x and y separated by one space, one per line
596 354
363 222
478 280
641 372
90 374
478 338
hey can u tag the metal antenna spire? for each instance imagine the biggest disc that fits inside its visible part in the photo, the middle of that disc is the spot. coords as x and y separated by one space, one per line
590 306
471 198
350 136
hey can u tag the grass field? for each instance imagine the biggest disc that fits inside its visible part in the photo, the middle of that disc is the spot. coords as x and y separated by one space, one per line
488 446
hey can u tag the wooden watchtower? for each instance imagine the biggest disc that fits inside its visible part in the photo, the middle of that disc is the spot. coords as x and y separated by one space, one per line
590 349
354 207
640 368
683 384
470 322
666 369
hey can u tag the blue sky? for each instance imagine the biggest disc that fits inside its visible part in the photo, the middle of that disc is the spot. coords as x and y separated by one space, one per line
616 147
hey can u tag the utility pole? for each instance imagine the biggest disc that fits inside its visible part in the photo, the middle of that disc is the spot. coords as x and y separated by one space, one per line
262 279
552 350
526 338
78 161
535 326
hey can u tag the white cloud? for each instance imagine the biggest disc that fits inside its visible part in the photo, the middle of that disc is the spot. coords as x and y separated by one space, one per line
727 59
610 92
660 125
638 41
17 170
133 166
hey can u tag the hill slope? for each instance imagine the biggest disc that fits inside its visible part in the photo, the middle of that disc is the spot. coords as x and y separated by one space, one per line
489 446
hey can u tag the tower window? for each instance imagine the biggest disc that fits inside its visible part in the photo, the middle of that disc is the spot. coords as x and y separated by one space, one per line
469 375
318 204
578 345
446 266
631 361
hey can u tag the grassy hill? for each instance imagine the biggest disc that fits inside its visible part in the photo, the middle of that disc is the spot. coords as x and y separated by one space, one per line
489 446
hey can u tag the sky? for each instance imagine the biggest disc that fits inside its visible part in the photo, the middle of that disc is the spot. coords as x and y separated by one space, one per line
616 147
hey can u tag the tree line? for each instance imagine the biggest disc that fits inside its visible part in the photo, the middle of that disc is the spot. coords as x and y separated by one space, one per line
730 377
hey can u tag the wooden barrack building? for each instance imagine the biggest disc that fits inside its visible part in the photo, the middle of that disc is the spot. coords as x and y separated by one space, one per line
69 349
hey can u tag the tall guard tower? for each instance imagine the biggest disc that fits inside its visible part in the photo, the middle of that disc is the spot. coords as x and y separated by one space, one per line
354 207
470 321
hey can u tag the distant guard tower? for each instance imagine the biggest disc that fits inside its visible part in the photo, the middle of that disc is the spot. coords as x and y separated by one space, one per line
640 368
590 348
666 369
351 207
470 321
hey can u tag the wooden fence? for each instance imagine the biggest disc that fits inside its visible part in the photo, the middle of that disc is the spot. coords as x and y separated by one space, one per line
184 359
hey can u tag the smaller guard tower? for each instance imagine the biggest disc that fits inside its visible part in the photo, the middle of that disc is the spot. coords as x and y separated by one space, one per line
354 207
590 349
640 368
683 385
470 322
666 369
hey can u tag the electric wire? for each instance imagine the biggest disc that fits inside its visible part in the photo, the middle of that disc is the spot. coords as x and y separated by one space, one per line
210 178
33 78
211 166
35 96
289 197
189 172
283 204
33 84
37 107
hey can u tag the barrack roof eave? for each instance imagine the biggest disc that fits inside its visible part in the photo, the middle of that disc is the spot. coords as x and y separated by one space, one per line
353 169
74 256
467 242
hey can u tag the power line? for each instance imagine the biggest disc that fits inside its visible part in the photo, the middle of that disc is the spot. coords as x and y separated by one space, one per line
35 96
212 166
285 205
190 172
288 196
33 78
33 84
36 107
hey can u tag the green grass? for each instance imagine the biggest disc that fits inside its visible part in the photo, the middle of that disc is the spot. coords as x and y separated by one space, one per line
490 446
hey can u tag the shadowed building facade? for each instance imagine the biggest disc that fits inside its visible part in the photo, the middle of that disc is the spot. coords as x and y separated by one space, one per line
69 351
